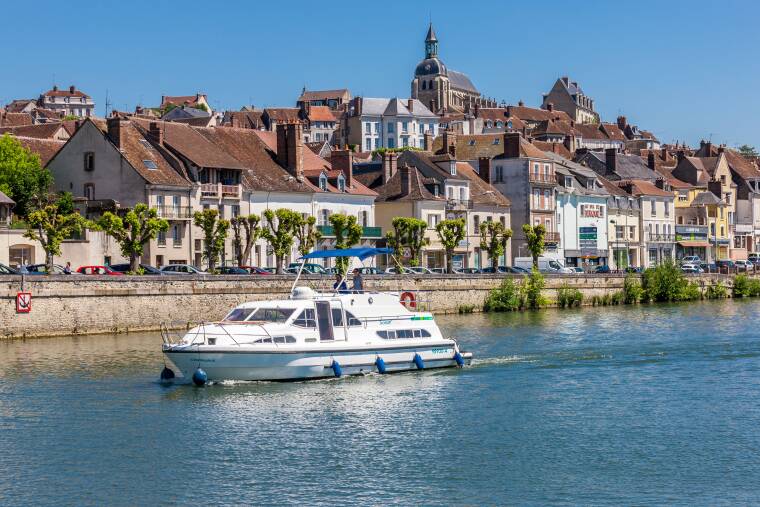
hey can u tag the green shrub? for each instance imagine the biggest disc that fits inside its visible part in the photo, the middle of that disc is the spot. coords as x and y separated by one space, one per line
742 286
618 298
666 282
716 291
509 296
690 292
466 308
534 284
632 291
569 297
754 287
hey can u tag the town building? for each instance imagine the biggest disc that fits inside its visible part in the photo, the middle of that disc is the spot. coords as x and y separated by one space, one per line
441 89
568 96
333 99
623 227
197 101
657 223
320 123
69 102
615 166
373 123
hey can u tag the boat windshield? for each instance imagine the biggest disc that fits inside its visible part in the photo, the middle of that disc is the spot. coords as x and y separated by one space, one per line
239 314
272 314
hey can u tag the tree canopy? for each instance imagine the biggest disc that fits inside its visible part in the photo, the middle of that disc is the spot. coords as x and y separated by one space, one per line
534 235
50 225
450 232
245 232
494 238
132 231
22 178
347 232
278 232
214 233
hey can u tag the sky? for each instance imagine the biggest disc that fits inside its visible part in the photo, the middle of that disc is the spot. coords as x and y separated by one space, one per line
685 70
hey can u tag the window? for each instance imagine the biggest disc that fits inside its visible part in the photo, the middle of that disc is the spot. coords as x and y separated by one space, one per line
367 128
234 210
368 144
631 231
324 217
390 127
619 232
547 199
274 314
161 238
364 218
471 142
377 128
404 127
391 142
89 191
404 141
323 181
176 236
667 209
150 165
653 205
89 161
394 334
175 201
433 220
352 321
436 191
341 183
160 201
337 317
495 141
476 222
723 179
568 182
239 314
499 174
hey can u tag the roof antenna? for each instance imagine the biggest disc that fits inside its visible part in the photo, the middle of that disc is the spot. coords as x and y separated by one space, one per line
108 103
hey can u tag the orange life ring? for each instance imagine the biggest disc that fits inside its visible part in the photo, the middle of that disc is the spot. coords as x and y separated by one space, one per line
407 299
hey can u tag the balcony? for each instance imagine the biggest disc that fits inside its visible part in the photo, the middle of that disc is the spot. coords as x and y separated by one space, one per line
551 237
327 231
542 179
661 238
230 191
210 190
542 209
174 212
458 204
215 190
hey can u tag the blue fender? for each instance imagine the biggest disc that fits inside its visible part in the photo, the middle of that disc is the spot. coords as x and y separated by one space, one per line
459 359
336 368
419 362
380 364
199 377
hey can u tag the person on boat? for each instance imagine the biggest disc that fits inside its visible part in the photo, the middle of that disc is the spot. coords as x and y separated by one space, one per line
340 284
358 281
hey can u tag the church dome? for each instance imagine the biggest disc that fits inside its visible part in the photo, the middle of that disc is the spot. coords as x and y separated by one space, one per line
430 67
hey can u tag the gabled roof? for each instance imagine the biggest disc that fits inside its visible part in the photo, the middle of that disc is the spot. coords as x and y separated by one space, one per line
535 114
321 113
613 131
460 81
706 199
4 199
67 92
741 166
674 182
612 188
394 107
323 95
15 119
180 100
16 106
41 131
472 147
392 190
558 149
283 114
45 148
243 119
645 188
590 131
185 112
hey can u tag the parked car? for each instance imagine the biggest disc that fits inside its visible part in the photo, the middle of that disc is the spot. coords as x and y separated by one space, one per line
545 264
41 269
708 268
270 270
469 271
577 269
602 269
7 270
499 270
419 270
371 270
754 258
742 265
309 268
691 259
331 271
633 269
692 268
181 269
253 270
231 270
98 270
725 265
146 269
438 271
393 270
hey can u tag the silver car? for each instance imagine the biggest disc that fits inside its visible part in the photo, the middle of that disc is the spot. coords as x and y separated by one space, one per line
181 269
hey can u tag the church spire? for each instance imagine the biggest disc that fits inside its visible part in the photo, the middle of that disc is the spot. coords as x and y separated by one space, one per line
431 43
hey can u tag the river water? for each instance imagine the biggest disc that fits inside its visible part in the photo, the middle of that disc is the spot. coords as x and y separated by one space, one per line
625 405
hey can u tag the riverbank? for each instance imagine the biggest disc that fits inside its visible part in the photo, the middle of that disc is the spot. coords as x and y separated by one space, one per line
73 305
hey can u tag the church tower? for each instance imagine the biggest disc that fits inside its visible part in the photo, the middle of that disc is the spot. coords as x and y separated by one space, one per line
430 84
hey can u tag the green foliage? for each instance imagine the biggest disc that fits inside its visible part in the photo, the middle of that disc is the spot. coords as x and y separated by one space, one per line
245 232
202 107
745 286
347 232
569 297
534 235
690 292
466 308
138 226
22 178
509 296
450 232
534 284
214 233
408 233
748 151
305 230
716 291
632 290
278 232
618 298
49 226
667 283
381 151
494 238
70 117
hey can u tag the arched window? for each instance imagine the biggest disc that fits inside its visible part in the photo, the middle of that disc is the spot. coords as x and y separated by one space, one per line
499 124
424 84
430 84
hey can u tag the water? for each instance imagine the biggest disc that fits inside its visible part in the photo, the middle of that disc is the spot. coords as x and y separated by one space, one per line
643 405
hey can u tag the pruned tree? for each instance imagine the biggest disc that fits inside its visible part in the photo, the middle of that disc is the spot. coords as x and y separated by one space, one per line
347 232
50 225
534 235
395 240
307 234
245 232
408 233
494 238
450 232
278 232
132 231
214 233
22 178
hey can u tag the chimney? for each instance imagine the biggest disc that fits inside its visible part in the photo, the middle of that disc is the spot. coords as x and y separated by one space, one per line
114 126
611 158
568 143
550 106
294 138
343 160
428 138
155 132
664 153
55 88
357 106
708 149
521 103
72 89
405 173
484 169
721 148
660 183
450 142
410 105
390 163
680 155
622 122
282 143
650 160
511 144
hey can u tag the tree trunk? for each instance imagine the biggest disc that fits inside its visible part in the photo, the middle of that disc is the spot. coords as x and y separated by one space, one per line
449 261
49 262
535 261
278 263
134 263
494 261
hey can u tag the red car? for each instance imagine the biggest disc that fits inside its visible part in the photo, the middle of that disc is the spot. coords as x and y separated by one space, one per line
256 271
98 270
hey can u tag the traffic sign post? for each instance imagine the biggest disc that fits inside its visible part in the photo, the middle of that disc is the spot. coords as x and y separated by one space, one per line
23 302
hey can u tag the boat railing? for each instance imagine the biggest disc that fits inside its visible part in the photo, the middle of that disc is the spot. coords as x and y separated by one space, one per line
170 336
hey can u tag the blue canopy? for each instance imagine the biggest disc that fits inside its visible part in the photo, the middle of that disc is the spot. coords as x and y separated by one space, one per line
362 253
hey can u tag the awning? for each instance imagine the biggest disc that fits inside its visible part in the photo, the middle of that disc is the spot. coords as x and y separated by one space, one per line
694 243
361 253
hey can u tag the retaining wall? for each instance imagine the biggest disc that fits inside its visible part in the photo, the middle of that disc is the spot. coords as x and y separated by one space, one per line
67 305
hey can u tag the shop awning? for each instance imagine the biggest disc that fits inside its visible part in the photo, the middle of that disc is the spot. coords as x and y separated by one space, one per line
694 243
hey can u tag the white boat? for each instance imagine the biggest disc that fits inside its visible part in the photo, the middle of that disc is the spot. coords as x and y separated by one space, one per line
315 335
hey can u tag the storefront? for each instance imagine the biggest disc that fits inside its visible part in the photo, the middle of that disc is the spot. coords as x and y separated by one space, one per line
692 240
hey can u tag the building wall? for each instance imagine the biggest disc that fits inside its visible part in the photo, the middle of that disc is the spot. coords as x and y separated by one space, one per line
570 207
658 229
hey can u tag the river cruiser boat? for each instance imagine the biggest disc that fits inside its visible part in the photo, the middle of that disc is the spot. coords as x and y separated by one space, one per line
315 335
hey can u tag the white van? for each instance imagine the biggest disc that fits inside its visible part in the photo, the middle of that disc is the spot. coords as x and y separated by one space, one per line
545 264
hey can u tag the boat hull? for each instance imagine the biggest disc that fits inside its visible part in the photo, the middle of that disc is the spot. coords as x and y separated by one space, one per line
239 364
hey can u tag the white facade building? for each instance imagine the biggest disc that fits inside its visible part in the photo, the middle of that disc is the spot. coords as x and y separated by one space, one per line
389 123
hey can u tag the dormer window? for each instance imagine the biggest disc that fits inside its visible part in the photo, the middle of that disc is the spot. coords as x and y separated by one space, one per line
495 141
568 182
322 182
453 168
341 183
472 142
509 124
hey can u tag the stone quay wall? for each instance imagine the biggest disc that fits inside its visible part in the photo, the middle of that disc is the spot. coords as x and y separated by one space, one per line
68 305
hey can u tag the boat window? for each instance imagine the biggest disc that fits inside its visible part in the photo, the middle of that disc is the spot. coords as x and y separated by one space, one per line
264 340
393 334
272 314
306 319
337 316
352 321
239 314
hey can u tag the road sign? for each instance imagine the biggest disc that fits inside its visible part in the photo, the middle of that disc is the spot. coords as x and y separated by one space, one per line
23 302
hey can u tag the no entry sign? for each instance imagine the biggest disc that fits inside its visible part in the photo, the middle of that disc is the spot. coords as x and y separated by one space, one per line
23 302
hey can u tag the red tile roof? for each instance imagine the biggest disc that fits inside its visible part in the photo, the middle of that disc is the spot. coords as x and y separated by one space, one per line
15 119
557 148
45 148
644 187
41 131
341 93
55 92
321 113
534 114
283 114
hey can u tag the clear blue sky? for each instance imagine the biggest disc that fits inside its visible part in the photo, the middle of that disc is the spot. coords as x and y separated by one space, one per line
682 69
